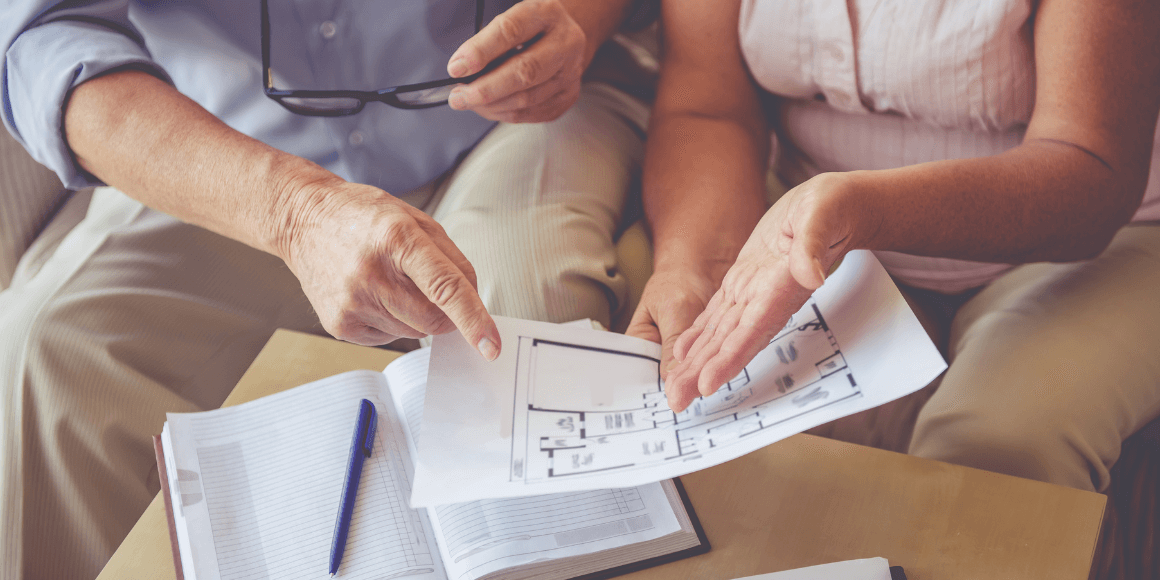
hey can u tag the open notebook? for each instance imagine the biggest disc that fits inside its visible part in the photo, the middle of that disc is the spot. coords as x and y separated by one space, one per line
254 490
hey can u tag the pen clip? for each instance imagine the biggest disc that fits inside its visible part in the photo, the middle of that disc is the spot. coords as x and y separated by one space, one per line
368 411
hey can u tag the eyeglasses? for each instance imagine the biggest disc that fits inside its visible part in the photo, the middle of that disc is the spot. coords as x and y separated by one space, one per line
339 103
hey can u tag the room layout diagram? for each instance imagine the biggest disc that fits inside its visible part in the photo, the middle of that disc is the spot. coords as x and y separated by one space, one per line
581 410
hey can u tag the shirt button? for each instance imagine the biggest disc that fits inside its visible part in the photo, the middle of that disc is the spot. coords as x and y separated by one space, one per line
328 29
356 138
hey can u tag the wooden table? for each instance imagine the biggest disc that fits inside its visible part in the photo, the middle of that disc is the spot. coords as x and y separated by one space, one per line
803 501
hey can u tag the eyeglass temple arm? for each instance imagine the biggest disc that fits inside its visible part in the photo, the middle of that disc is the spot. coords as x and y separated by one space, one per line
267 81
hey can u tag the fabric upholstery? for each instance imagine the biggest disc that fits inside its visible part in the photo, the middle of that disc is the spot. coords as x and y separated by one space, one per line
29 194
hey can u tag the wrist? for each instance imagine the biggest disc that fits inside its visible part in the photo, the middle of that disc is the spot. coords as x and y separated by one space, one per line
698 244
862 204
705 263
598 20
299 190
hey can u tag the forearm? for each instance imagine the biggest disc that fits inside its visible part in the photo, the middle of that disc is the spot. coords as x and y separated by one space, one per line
598 18
703 189
1042 201
140 135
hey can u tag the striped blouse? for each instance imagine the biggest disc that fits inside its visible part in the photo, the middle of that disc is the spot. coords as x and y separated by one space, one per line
879 84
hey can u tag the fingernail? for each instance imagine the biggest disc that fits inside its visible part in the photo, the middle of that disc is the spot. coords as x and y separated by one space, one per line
456 100
488 349
457 67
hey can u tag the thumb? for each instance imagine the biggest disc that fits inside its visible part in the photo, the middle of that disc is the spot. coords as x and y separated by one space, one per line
672 327
805 260
643 326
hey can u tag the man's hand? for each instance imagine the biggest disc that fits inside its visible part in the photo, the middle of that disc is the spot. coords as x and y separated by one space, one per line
376 269
782 263
540 82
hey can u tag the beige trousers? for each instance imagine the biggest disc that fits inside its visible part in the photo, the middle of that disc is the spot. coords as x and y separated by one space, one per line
119 314
1052 366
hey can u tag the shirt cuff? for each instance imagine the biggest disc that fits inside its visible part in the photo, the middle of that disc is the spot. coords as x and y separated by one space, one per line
42 66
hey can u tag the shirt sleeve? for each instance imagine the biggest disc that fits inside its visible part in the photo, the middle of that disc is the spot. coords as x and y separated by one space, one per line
49 50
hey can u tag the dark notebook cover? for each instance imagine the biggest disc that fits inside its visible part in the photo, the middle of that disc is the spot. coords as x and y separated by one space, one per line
609 573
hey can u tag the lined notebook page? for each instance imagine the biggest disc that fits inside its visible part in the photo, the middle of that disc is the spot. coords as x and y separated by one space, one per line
271 475
485 536
407 381
481 537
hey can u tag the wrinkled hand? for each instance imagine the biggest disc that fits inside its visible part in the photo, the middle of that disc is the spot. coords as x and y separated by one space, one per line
538 84
376 269
670 303
782 263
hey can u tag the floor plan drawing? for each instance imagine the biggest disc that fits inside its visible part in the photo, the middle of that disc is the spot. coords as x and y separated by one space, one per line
565 425
565 408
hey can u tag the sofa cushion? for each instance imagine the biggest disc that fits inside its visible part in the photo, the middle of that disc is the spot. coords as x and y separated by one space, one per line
29 195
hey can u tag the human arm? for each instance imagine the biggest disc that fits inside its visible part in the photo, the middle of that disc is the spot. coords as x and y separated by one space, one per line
542 81
704 167
1061 195
373 267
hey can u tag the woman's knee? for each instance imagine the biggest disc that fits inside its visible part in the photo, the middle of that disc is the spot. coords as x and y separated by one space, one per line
1028 444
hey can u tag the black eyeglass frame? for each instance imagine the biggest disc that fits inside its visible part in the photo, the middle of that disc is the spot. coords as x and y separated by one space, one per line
387 96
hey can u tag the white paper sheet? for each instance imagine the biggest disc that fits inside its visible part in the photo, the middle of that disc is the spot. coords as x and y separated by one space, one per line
867 569
567 409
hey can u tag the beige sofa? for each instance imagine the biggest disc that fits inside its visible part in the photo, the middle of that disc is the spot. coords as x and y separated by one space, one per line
29 196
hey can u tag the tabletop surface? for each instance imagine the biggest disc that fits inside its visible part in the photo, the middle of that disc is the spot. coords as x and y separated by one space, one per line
799 502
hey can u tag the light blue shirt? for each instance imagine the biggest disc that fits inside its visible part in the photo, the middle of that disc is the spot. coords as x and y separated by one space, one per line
210 50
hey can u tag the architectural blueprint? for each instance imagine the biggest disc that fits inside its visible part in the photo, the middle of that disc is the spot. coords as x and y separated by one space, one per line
564 434
567 409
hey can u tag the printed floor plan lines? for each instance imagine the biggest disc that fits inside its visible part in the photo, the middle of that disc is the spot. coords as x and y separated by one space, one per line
570 421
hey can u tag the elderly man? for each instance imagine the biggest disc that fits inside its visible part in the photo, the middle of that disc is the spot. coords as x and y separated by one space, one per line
305 164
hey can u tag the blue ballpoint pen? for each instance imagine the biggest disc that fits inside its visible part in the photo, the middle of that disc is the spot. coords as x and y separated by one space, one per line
360 449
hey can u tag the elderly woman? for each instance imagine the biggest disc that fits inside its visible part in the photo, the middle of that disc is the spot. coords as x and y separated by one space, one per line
994 155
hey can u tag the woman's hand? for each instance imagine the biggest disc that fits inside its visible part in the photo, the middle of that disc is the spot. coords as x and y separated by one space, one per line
672 299
782 263
376 269
538 84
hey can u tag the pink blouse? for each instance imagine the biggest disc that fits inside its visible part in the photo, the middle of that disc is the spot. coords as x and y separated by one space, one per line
879 84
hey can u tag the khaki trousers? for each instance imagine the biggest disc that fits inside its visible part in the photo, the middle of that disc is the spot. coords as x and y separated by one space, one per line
1051 367
119 314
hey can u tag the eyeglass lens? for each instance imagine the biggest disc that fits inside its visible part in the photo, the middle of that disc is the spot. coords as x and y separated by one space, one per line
308 105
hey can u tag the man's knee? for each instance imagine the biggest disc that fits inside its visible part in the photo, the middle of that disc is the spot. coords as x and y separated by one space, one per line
62 443
550 262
